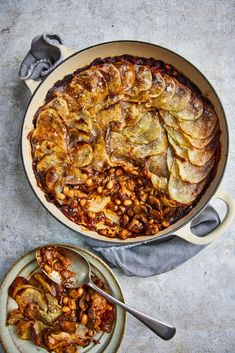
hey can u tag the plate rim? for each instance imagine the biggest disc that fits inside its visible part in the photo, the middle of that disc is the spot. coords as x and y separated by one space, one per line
83 250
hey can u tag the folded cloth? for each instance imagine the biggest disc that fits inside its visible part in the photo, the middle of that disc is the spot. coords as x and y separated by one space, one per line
148 258
44 56
151 257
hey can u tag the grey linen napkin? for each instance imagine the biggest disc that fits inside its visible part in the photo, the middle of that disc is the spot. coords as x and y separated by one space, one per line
44 56
151 257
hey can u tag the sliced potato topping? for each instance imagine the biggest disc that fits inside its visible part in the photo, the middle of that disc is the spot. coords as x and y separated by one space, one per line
192 173
127 74
167 95
180 98
81 155
158 83
202 127
54 317
183 191
61 106
192 111
143 80
158 165
119 134
112 76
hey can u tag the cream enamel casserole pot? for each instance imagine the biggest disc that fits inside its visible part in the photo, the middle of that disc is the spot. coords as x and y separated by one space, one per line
72 61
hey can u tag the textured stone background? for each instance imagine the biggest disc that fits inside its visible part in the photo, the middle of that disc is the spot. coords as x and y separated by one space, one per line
198 297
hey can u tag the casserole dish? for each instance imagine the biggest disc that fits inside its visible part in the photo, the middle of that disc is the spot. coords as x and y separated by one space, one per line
80 59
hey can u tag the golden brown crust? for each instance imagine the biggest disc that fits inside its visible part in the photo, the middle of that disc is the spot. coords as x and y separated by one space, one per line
119 132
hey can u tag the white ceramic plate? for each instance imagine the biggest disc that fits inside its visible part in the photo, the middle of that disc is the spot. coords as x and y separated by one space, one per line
109 343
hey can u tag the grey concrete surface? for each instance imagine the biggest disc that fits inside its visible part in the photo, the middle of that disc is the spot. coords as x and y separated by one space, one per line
199 296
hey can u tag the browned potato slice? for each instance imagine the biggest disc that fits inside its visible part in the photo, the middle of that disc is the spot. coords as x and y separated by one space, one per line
127 74
175 169
98 204
158 146
143 81
58 190
48 147
81 155
105 117
202 143
100 157
50 160
192 111
120 150
16 285
76 136
24 329
120 156
169 119
179 138
71 102
106 103
112 216
169 158
80 127
133 132
143 77
160 183
43 282
57 341
54 309
14 316
55 183
157 87
132 112
112 76
116 141
19 288
201 156
70 327
45 132
196 156
52 176
178 150
34 312
202 127
192 173
166 95
37 331
88 88
49 117
158 84
26 296
92 78
180 98
60 105
153 132
158 165
182 191
73 176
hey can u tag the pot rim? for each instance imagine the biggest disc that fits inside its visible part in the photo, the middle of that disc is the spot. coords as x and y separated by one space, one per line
189 218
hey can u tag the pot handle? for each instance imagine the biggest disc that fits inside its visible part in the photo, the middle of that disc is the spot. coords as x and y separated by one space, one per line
65 52
186 233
